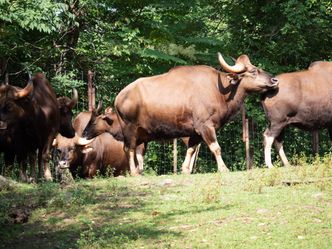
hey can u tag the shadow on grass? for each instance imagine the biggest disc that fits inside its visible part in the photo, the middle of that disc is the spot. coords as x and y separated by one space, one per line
45 230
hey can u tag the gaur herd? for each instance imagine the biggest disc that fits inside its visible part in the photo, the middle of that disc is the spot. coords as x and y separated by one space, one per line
188 102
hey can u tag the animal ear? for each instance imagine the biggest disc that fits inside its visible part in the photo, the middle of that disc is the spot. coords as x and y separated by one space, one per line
233 78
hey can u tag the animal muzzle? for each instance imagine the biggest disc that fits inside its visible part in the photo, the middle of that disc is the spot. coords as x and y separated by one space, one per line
274 82
3 125
63 164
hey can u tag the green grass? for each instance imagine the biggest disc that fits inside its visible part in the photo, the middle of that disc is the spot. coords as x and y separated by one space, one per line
236 210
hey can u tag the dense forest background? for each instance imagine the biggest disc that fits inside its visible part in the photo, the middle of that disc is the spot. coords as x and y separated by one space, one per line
121 41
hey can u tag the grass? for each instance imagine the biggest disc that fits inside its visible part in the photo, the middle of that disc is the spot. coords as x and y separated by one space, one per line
236 210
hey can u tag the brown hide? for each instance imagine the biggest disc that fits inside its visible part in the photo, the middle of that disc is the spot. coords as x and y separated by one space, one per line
187 101
106 122
31 118
303 99
66 105
80 122
107 153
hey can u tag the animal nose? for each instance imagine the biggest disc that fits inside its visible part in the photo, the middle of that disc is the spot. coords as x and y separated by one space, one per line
63 164
274 81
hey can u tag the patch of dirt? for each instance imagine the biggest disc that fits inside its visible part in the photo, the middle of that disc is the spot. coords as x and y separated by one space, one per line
20 215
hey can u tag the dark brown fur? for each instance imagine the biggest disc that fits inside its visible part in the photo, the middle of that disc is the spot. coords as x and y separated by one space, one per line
31 121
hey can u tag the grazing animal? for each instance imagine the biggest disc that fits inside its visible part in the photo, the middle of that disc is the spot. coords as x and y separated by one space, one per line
105 152
108 122
29 120
187 101
303 100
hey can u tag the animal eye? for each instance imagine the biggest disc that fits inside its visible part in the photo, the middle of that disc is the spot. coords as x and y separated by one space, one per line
253 71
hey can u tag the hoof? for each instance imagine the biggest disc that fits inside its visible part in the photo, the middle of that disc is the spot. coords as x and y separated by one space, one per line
224 170
186 171
135 173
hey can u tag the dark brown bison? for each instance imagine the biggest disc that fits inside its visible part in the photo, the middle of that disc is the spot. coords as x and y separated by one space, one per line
304 100
30 119
187 101
66 105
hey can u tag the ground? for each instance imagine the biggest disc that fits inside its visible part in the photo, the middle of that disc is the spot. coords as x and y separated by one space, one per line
278 208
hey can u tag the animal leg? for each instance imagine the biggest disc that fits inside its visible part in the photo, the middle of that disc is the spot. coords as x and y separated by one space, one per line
40 164
194 158
9 163
274 131
190 154
140 159
23 170
130 140
45 156
186 163
330 134
210 138
268 141
279 147
134 171
32 163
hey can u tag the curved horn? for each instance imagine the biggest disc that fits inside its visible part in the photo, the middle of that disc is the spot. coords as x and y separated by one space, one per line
99 107
24 92
74 99
237 68
55 142
82 141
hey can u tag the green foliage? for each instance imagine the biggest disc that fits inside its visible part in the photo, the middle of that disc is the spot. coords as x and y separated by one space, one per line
124 40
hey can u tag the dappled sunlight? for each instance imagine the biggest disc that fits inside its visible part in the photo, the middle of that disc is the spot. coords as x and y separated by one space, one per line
204 210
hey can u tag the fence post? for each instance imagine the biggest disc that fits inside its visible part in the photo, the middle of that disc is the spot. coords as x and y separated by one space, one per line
175 156
6 78
245 138
315 141
91 91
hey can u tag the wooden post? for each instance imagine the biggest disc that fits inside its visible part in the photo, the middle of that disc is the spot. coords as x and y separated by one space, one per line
315 141
245 138
6 78
175 156
91 91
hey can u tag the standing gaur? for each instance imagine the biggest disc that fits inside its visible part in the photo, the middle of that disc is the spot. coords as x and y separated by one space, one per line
304 100
187 101
29 121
